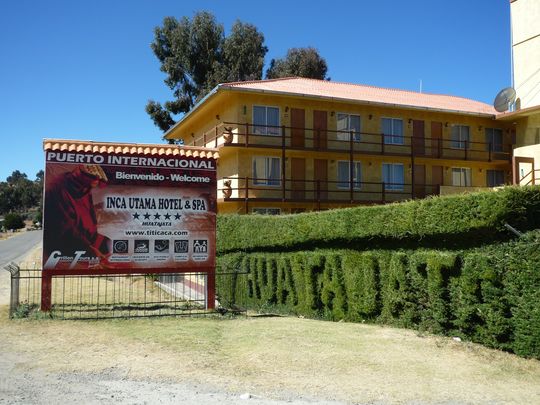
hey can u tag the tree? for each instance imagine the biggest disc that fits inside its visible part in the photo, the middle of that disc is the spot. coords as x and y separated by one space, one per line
243 53
16 177
196 56
301 62
18 193
13 221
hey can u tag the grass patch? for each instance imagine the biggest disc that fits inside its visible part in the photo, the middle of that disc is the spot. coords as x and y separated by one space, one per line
282 357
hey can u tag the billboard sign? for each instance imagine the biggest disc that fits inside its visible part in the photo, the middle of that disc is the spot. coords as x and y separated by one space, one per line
117 212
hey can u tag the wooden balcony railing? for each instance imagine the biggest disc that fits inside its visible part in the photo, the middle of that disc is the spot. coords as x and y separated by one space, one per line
530 178
326 140
249 189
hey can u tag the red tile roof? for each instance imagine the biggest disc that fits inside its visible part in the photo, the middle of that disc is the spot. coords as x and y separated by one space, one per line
364 94
133 148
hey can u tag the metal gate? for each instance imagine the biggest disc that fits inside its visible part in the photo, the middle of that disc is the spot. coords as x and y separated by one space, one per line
117 296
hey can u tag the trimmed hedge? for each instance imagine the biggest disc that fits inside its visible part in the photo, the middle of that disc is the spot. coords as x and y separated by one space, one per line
489 295
453 221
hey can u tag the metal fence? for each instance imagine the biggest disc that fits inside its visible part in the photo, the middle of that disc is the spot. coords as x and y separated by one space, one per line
118 296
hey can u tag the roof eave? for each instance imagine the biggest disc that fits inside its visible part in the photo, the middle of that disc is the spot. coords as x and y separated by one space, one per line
362 102
166 135
525 112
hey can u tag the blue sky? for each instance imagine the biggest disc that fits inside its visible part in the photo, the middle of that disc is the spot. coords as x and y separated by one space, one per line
85 70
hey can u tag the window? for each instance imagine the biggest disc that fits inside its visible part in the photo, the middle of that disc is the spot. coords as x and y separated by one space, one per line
460 137
461 176
393 176
495 178
267 211
266 171
265 120
494 136
392 128
347 123
344 174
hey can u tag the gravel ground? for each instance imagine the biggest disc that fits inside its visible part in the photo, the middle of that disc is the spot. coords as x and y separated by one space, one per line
22 383
249 361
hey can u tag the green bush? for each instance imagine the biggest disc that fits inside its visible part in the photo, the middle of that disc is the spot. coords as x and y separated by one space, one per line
489 295
457 221
444 265
13 221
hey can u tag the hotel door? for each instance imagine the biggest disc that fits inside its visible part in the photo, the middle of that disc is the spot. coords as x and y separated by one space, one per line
298 123
298 177
436 139
437 179
321 179
418 139
320 125
419 181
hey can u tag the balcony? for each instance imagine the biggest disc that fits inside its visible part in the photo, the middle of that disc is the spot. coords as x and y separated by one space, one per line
324 140
248 189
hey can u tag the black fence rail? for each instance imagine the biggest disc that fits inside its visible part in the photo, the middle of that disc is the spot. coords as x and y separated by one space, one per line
119 296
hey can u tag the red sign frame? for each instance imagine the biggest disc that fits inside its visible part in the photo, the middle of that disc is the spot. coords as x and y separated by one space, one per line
128 211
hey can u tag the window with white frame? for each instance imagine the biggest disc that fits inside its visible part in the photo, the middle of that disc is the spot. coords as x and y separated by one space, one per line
495 178
393 176
265 120
266 171
344 174
494 137
392 128
461 176
459 137
266 211
347 123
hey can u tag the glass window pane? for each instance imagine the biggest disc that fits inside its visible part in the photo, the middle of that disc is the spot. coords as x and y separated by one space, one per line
274 172
456 177
386 124
399 177
259 170
455 137
467 177
343 127
398 131
495 178
489 138
465 137
398 127
357 175
386 173
342 122
272 120
354 123
343 174
259 120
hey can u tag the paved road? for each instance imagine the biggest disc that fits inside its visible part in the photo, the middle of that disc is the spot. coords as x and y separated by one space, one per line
13 250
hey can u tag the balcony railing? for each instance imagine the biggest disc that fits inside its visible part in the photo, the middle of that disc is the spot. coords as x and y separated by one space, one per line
326 140
318 191
530 178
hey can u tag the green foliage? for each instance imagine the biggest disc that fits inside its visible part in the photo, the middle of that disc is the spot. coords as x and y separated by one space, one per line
13 221
453 222
399 267
18 193
196 56
301 62
489 294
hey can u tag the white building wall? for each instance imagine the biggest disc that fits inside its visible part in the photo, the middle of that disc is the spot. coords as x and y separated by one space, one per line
525 16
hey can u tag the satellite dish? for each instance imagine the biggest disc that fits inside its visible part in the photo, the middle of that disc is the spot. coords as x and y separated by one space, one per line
504 98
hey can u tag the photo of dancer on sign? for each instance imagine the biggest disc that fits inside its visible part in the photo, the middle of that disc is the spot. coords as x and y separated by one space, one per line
128 211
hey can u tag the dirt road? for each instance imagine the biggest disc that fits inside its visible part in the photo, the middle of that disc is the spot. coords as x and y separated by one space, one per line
15 249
